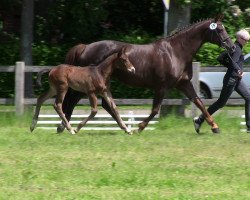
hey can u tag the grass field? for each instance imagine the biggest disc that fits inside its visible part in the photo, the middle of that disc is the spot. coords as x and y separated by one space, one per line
171 162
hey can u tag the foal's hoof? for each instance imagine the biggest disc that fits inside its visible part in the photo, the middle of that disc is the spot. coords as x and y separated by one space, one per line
73 132
60 128
32 129
33 125
130 132
76 130
215 130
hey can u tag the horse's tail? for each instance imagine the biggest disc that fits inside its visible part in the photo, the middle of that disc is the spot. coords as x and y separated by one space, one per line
72 57
39 76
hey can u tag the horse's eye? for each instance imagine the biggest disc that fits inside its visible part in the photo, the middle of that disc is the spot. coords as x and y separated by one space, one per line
220 30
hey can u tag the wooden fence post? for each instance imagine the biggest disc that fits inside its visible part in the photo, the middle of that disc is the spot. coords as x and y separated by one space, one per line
19 87
196 84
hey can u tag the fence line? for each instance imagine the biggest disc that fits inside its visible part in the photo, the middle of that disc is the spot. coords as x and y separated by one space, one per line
19 101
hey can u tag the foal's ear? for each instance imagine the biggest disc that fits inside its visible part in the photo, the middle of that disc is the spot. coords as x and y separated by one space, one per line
121 53
219 17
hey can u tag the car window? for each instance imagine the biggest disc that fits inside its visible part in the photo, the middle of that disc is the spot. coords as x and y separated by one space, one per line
247 59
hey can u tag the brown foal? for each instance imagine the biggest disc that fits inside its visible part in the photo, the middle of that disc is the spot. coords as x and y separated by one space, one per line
91 80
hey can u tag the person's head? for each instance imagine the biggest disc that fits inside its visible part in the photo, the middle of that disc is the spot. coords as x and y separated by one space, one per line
242 36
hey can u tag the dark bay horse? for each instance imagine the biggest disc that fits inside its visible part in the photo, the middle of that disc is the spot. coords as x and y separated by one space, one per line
90 80
160 66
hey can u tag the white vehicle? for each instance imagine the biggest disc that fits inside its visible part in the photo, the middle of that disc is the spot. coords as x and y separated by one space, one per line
211 82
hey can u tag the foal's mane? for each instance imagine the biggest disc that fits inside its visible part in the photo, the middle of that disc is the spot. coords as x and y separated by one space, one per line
108 60
184 29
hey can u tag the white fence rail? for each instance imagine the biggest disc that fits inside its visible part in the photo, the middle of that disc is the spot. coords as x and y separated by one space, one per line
99 122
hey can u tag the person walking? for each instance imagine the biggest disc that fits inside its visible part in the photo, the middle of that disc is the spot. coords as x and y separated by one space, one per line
231 81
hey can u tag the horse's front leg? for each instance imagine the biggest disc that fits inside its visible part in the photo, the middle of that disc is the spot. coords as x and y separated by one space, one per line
108 98
93 104
187 88
159 95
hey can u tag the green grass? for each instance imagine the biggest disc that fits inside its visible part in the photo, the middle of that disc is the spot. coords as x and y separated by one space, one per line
171 162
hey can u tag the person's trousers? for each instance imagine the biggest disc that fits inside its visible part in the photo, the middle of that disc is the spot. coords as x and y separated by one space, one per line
229 85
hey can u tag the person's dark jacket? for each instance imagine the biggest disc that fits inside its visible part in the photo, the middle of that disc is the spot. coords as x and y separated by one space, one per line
233 61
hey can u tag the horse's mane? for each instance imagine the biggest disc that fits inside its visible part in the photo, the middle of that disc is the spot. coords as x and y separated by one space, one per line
183 29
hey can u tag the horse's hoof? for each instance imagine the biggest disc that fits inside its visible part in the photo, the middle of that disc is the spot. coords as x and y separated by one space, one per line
139 130
130 132
197 125
60 128
141 127
32 129
76 130
33 125
215 130
73 132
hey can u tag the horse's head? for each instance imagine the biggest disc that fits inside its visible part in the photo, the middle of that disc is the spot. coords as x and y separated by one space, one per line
217 34
125 61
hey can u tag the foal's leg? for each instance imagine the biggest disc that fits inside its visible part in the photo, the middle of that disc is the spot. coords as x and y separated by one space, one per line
43 97
106 106
93 104
58 107
187 88
114 110
71 99
159 95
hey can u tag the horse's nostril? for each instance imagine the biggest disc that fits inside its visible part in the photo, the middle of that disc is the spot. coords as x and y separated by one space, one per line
132 69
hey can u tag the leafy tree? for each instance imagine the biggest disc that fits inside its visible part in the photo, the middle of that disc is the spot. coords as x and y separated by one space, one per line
124 16
71 21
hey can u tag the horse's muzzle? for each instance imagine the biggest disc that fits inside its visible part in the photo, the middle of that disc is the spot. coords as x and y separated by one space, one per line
132 69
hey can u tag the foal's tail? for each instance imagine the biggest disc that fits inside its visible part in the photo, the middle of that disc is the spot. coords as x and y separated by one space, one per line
73 55
39 76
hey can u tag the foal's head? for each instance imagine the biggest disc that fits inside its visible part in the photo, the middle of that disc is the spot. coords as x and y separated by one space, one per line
123 61
217 34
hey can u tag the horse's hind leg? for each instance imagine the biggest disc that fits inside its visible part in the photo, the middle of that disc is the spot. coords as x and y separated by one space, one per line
71 99
187 88
159 95
93 104
58 107
114 110
43 97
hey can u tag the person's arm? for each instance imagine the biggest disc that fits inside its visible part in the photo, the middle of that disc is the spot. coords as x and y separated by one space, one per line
234 61
223 58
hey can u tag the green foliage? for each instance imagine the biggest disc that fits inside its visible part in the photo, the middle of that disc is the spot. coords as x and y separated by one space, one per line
72 22
128 15
207 54
135 36
46 54
9 49
120 90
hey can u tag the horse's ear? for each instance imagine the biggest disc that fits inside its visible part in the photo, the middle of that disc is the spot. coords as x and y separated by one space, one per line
219 17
